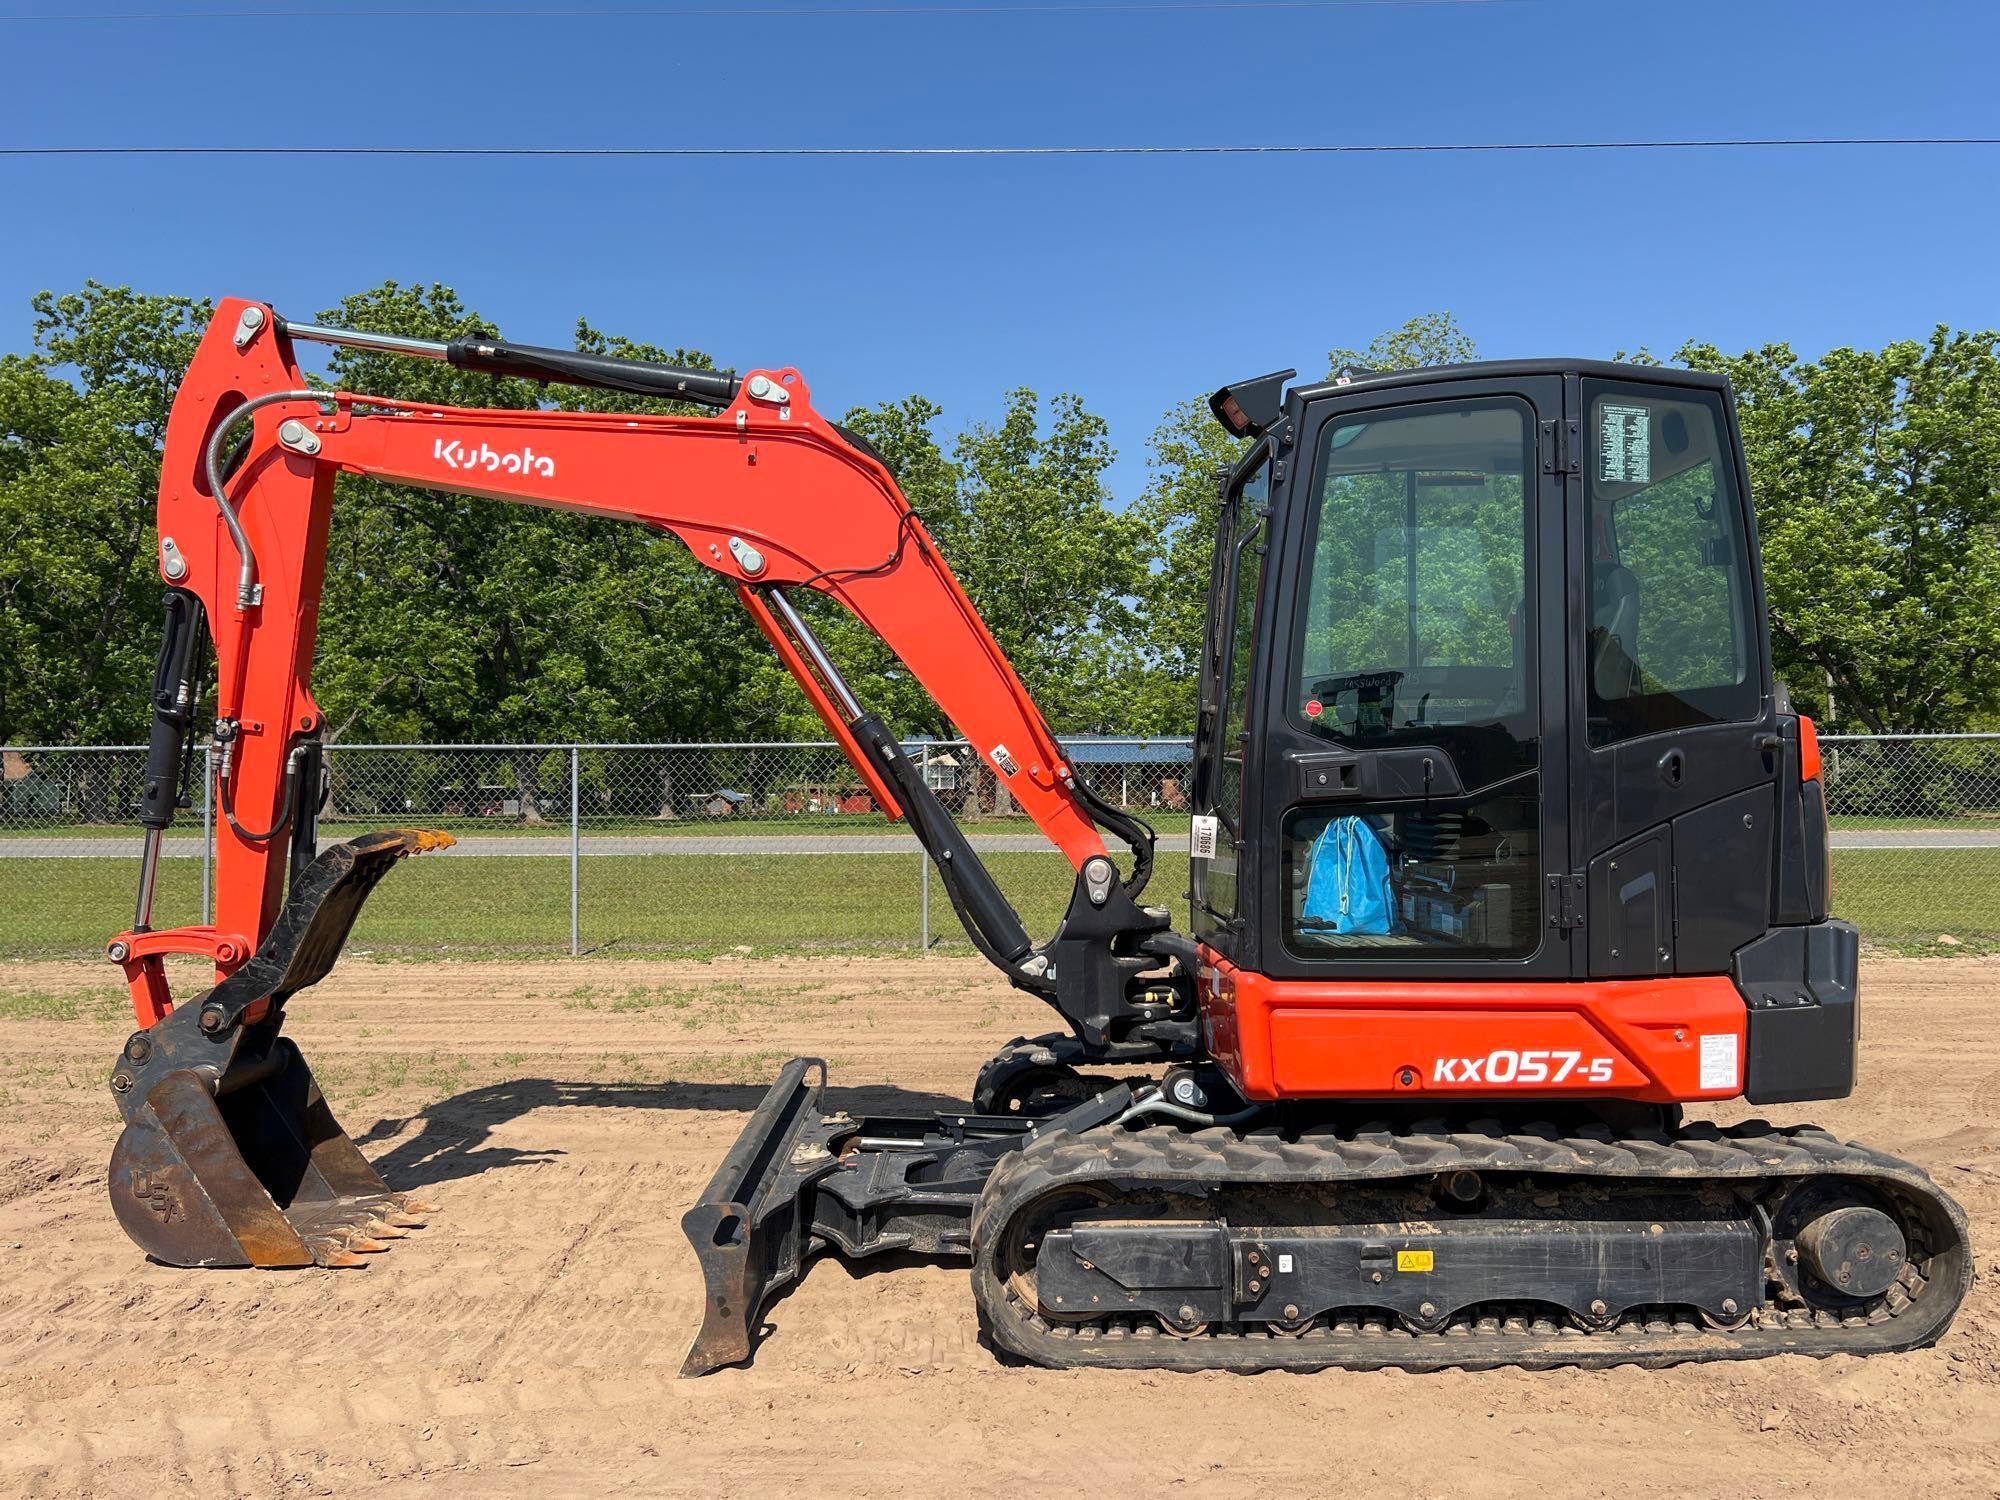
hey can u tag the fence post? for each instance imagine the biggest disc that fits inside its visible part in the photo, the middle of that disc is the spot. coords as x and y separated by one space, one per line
207 831
575 850
924 871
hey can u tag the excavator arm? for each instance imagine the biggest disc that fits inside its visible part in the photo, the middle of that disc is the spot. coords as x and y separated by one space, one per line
767 493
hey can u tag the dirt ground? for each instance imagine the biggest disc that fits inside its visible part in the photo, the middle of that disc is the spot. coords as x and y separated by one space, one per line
563 1115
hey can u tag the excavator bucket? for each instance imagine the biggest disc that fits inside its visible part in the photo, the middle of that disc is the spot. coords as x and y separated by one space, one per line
230 1156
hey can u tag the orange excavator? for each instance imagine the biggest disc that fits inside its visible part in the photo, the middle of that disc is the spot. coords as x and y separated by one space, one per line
1505 846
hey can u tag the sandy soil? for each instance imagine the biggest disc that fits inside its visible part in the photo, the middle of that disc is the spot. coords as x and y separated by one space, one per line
525 1343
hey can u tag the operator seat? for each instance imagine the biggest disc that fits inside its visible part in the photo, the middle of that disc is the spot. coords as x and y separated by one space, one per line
1614 631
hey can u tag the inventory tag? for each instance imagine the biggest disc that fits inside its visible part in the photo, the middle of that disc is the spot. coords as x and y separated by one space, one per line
1201 837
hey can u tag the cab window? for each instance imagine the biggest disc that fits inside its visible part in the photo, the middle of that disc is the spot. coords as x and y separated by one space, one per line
1419 560
1669 641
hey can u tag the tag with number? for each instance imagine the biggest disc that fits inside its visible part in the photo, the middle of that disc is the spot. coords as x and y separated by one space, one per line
1201 840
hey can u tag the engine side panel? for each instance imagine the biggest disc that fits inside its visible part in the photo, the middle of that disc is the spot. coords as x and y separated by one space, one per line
1663 1041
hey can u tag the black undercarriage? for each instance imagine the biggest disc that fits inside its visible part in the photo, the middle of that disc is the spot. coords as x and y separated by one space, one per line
1121 1230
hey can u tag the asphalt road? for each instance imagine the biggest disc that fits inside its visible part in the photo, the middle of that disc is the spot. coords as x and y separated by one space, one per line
546 845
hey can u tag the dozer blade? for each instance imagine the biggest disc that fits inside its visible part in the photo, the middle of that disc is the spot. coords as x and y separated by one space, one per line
230 1156
751 1228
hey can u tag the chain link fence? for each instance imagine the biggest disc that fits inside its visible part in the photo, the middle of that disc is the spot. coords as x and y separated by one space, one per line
703 848
582 848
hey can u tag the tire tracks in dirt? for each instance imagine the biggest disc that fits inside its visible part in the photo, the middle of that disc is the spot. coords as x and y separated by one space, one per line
549 1285
526 1341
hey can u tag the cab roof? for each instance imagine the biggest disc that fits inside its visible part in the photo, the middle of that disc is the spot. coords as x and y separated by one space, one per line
1511 369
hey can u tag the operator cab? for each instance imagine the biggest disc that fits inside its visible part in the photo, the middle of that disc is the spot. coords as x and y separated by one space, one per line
1427 584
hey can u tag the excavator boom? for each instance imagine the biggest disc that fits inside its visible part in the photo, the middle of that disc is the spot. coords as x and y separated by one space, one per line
766 493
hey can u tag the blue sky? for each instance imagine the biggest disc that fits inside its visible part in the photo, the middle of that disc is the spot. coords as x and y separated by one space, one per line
1137 282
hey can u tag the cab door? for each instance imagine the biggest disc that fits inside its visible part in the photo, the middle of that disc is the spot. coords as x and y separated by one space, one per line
1413 794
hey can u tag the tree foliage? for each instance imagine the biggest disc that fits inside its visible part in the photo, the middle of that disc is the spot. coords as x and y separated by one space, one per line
82 416
1433 338
1877 481
1021 513
1877 476
457 618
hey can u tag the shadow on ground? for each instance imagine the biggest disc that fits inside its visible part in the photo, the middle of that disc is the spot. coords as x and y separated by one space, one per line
453 1136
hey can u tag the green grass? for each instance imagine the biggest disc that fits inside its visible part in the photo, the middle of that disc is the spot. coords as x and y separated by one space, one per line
1903 897
1972 818
56 1005
705 904
73 907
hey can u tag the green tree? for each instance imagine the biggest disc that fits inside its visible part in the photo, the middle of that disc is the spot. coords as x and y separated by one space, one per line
905 434
1179 508
1877 483
82 418
1020 511
457 618
1432 338
1050 565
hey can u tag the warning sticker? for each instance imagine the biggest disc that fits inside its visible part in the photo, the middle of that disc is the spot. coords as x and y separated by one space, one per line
1718 1060
1624 444
1413 1260
1201 838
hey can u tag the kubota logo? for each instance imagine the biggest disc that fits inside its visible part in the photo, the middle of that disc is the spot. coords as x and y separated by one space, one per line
489 460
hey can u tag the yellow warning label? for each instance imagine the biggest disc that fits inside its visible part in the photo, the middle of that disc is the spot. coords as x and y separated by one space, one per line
1413 1260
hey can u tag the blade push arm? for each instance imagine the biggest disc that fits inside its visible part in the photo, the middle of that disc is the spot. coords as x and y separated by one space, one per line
769 494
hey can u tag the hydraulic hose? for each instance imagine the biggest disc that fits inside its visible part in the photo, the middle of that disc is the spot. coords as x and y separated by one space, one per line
1156 1104
247 590
1136 832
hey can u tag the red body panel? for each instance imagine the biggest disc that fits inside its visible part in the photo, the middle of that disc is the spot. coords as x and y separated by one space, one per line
1661 1040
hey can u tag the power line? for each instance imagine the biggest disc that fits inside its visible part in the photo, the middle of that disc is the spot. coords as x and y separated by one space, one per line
1382 148
1036 7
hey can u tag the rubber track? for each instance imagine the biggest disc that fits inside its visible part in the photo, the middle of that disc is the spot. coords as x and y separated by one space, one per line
1165 1159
